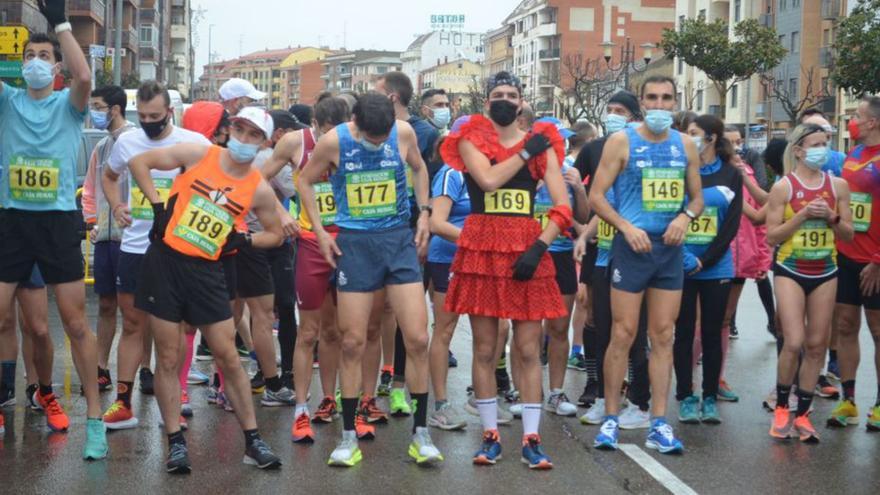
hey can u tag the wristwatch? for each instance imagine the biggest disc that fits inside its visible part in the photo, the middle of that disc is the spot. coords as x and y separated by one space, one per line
524 155
64 26
426 208
689 214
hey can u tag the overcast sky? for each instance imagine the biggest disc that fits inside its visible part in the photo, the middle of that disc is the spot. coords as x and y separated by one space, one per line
244 26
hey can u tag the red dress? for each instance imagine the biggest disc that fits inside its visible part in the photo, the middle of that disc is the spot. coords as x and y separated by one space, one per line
482 281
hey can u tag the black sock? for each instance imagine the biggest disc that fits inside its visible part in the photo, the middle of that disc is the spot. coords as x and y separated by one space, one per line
45 389
420 416
878 395
123 392
849 390
176 438
216 381
349 411
7 369
782 392
274 383
250 436
590 338
805 399
832 355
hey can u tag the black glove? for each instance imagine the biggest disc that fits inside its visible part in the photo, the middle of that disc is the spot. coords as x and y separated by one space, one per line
536 145
53 11
160 222
527 263
236 240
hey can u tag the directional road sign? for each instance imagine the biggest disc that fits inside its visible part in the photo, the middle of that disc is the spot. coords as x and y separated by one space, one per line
12 39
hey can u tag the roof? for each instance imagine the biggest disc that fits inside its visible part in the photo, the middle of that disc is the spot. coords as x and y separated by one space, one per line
524 7
462 61
419 41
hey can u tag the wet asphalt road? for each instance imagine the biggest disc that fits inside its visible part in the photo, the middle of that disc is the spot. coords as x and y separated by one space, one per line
736 457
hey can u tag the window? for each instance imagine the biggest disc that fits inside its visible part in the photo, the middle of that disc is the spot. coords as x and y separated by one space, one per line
148 35
795 3
702 14
783 4
381 69
782 39
680 20
793 88
795 41
737 8
826 37
699 100
734 95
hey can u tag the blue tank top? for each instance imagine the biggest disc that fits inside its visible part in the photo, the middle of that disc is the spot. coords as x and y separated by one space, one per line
650 190
369 186
543 204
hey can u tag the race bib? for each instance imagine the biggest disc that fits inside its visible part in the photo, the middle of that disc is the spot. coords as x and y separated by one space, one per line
704 228
662 189
33 180
541 214
814 240
204 225
326 202
508 201
605 234
860 204
371 194
140 206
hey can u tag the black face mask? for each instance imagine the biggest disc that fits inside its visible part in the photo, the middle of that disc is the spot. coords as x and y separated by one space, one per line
154 129
503 112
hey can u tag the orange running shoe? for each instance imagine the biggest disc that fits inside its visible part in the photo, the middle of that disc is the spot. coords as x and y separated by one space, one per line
55 416
781 427
805 430
301 432
369 409
364 430
326 410
119 417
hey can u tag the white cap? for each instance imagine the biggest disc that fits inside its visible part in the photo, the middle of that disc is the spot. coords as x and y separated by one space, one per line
236 88
258 117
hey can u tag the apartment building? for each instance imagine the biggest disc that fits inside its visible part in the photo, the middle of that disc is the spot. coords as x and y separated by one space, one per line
429 49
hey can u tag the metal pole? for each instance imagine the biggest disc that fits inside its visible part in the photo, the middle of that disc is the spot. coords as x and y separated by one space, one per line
748 108
210 67
117 53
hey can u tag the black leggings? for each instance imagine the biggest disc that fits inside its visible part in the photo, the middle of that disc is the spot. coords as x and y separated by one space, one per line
712 295
281 262
639 392
765 292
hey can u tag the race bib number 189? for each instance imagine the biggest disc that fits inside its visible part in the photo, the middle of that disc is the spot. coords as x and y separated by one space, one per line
204 225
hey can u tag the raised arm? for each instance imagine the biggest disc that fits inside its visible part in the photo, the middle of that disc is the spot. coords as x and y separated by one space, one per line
183 155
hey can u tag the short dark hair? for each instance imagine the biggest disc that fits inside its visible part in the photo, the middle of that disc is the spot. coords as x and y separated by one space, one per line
151 89
398 82
658 79
282 119
773 155
432 93
682 120
733 128
713 126
873 105
374 114
113 96
811 111
332 110
583 132
44 38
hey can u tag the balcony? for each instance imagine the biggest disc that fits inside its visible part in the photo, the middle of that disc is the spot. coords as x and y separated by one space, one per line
148 53
148 16
93 9
130 38
830 9
540 30
548 54
178 3
179 32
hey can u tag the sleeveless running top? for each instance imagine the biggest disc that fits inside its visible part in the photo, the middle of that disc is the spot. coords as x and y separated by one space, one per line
515 198
207 203
810 251
323 192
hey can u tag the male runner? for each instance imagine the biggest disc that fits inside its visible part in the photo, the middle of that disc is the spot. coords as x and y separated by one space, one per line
236 94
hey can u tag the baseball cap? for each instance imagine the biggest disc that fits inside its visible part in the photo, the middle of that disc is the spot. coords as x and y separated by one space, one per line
236 88
257 117
566 132
282 119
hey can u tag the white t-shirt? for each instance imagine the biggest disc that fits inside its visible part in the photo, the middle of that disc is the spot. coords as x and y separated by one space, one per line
135 238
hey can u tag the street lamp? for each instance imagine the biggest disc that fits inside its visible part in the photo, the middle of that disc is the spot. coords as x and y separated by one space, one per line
627 62
210 66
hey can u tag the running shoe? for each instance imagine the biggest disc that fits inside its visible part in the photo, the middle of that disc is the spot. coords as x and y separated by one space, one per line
825 389
662 439
346 453
223 402
874 419
96 440
7 397
559 404
56 419
591 392
595 414
833 370
805 430
119 417
688 410
384 384
606 439
196 377
326 411
516 410
301 432
372 411
844 413
178 459
453 362
577 362
502 381
533 453
511 396
490 449
105 383
633 418
281 397
31 392
397 403
726 393
364 430
505 416
212 395
447 418
146 379
709 411
781 427
258 384
259 454
422 449
203 353
185 407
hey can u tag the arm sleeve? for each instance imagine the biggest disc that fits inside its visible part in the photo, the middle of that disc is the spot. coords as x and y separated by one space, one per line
729 228
88 196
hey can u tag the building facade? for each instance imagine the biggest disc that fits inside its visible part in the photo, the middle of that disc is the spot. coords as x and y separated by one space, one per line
181 60
436 47
498 50
301 74
338 73
456 77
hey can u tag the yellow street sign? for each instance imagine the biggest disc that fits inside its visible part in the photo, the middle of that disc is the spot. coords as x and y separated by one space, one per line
12 39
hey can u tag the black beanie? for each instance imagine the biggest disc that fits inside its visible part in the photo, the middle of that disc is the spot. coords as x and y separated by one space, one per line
629 101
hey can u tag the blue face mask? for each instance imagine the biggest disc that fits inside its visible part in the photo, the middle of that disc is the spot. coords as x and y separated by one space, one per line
241 152
100 120
441 118
614 122
658 121
372 147
816 158
38 73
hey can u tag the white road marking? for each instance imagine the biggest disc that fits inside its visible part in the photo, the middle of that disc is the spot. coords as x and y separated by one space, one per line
657 471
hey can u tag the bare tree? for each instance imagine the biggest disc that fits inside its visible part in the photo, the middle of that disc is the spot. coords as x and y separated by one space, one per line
585 86
474 100
816 91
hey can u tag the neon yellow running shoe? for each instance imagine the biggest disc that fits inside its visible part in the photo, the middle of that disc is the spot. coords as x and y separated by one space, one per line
844 413
874 419
397 404
347 453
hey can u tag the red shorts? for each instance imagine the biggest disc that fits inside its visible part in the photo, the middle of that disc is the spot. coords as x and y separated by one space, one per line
312 275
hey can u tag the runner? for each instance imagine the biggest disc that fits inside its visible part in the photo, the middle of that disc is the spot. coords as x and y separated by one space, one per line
807 211
40 135
366 161
183 280
501 269
858 279
237 93
649 168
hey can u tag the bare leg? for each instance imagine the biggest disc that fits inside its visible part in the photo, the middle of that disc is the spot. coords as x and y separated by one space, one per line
625 312
106 327
557 349
130 350
663 306
444 328
71 300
